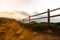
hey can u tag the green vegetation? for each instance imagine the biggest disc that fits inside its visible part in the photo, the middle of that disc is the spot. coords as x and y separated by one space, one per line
43 26
26 25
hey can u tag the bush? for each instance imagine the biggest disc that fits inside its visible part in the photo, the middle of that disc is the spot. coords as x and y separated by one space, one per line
33 23
39 26
26 25
42 27
52 26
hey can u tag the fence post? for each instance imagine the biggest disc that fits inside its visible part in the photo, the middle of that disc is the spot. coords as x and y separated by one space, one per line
29 19
48 18
23 20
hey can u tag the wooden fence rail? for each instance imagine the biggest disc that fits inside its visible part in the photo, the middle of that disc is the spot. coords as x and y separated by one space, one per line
48 14
45 17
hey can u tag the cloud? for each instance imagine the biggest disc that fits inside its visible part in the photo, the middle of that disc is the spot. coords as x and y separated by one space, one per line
13 15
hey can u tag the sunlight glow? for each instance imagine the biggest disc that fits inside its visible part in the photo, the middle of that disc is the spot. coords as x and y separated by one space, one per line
12 15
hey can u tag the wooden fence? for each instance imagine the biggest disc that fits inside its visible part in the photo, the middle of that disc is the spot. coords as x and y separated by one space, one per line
48 13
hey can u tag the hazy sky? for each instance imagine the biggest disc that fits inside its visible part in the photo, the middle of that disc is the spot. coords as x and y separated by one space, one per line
29 6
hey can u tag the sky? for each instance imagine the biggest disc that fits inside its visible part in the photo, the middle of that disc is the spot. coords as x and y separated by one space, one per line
32 7
12 15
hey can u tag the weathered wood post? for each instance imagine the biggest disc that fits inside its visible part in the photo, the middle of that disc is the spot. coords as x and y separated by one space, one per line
48 18
23 20
29 19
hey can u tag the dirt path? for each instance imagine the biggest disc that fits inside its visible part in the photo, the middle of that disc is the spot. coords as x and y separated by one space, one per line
31 35
46 37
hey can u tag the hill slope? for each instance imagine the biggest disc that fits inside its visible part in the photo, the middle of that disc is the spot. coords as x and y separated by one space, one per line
10 29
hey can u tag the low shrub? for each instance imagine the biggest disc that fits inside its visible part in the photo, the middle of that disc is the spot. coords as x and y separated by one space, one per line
40 27
26 25
43 27
52 26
